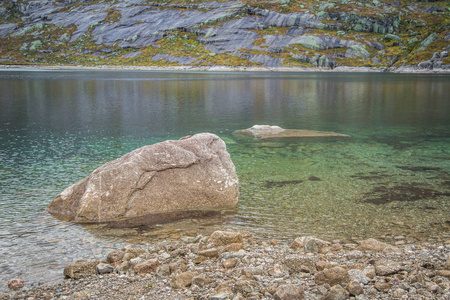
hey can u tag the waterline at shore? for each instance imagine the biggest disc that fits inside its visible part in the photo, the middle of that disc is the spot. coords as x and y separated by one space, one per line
227 69
240 265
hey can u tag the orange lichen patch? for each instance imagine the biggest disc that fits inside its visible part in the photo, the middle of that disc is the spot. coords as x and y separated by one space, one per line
259 41
223 59
367 11
113 16
254 51
273 31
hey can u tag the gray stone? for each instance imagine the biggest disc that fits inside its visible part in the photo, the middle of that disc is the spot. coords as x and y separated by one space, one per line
199 280
163 270
295 31
384 267
212 252
359 276
115 257
297 263
425 65
382 284
377 24
289 292
221 296
375 45
6 29
162 180
335 275
251 271
136 260
124 267
432 9
103 268
229 263
320 61
147 266
372 245
355 254
223 238
182 280
336 292
392 37
265 60
355 288
399 293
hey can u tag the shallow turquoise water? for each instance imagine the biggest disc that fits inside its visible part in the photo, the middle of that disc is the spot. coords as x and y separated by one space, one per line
391 178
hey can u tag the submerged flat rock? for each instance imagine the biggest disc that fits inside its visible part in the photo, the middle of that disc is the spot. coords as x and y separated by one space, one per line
263 132
169 179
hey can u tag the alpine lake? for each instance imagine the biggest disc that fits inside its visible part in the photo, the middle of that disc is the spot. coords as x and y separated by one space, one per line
389 181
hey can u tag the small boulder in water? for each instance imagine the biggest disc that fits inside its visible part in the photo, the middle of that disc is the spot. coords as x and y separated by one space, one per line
264 132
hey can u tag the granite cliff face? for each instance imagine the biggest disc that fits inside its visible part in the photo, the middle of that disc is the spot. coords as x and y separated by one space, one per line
230 33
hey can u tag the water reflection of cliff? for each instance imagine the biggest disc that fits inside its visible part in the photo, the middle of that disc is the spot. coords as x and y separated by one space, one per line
123 103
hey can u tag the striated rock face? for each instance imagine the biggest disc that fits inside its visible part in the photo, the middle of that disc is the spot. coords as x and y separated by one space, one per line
268 33
262 132
170 178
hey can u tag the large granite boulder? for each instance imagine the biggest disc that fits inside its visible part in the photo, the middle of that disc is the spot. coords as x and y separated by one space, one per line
263 132
170 178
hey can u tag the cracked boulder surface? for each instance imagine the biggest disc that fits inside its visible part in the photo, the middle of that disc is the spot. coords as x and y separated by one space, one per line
169 178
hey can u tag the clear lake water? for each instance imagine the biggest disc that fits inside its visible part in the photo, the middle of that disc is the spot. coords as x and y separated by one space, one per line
390 179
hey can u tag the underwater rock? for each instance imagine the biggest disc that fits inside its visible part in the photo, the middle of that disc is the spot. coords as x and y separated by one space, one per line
289 291
169 178
262 132
308 244
404 192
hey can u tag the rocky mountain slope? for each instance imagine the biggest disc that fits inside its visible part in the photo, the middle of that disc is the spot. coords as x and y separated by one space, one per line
267 33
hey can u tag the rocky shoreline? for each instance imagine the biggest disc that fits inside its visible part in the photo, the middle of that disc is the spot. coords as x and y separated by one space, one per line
403 70
240 265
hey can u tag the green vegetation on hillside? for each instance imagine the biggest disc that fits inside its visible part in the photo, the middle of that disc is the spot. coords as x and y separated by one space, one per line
373 33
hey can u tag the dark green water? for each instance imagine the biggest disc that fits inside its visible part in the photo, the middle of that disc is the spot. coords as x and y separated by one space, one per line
391 178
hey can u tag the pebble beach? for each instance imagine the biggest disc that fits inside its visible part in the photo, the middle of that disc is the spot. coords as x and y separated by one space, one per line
241 265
